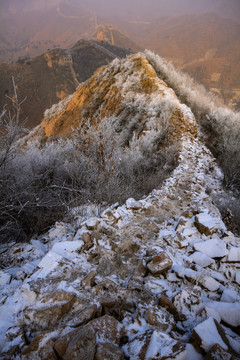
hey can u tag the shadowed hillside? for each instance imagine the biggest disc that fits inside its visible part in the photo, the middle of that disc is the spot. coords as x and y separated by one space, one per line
50 77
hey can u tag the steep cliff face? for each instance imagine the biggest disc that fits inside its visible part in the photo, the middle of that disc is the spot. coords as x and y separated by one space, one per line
127 96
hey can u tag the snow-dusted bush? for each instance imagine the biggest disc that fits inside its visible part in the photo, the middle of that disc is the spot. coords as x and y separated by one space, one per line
41 183
220 126
58 108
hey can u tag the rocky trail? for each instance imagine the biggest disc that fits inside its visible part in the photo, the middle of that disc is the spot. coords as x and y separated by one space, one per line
157 278
151 279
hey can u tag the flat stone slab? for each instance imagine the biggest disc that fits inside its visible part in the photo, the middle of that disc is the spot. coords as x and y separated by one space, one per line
214 248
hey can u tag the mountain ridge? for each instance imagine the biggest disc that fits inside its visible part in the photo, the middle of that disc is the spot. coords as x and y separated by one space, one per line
61 71
147 279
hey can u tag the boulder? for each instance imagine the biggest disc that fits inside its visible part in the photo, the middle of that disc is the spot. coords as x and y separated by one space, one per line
229 312
166 303
82 346
41 347
133 204
201 259
5 278
83 341
214 248
49 311
92 223
206 335
163 346
160 264
208 225
61 345
15 342
218 353
161 318
107 328
108 351
83 316
137 347
140 270
88 281
234 254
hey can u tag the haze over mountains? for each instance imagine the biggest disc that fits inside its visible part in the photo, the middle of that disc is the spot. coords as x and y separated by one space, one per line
50 77
201 38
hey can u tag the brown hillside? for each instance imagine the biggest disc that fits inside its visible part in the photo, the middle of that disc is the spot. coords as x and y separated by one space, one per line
111 35
120 90
47 79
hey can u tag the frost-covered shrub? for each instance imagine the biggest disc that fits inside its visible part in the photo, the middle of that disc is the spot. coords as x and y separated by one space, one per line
58 108
220 126
41 183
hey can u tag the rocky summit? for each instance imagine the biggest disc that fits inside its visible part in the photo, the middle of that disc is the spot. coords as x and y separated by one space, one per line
155 278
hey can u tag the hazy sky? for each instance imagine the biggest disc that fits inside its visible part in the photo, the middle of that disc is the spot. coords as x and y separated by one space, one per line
135 8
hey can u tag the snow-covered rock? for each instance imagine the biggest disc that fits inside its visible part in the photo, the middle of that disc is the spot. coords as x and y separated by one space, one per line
5 278
234 254
208 224
201 259
160 264
133 204
228 311
206 334
214 248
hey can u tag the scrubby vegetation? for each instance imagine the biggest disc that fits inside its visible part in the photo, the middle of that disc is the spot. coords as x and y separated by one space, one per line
220 130
220 126
39 183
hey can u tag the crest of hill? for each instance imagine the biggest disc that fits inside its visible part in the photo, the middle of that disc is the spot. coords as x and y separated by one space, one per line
112 36
50 77
127 97
206 46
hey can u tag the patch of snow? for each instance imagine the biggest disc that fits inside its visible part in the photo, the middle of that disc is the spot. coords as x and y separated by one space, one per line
212 223
39 246
209 335
161 345
201 259
67 249
229 295
49 262
214 248
192 354
234 254
133 204
59 231
211 312
228 311
237 276
4 278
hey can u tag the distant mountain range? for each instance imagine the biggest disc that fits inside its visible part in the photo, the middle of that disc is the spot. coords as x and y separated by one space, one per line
50 77
206 46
